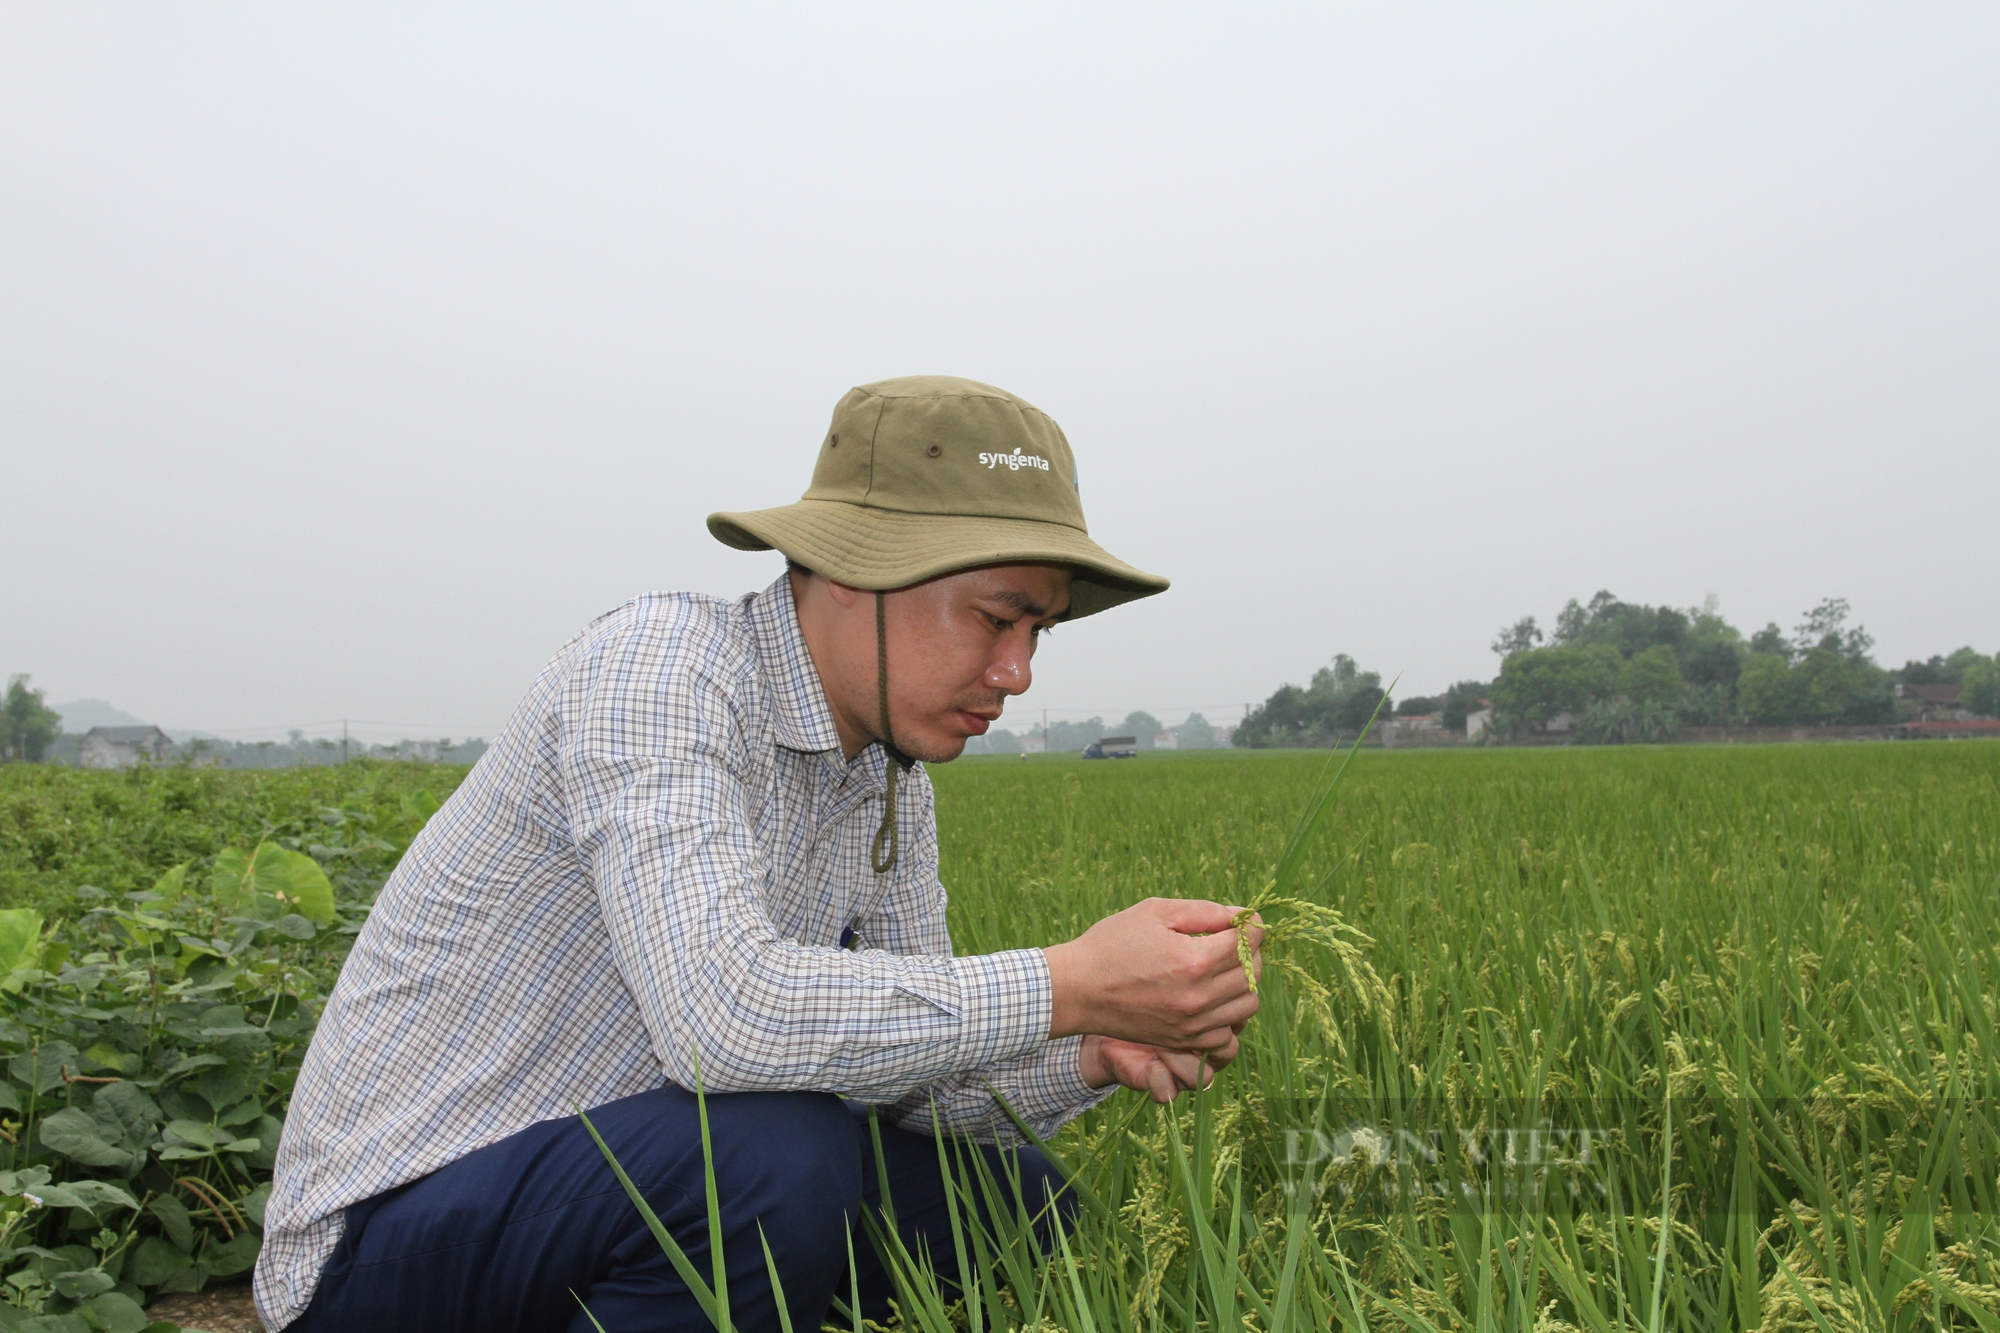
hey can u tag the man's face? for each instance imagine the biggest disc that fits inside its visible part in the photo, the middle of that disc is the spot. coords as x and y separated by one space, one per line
959 645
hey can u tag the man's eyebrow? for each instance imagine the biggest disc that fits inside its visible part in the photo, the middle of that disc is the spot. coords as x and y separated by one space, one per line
1021 602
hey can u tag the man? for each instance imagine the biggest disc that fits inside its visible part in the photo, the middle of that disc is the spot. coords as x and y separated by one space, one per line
703 850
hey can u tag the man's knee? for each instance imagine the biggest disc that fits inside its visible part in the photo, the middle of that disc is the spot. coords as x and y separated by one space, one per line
798 1152
788 1161
792 1184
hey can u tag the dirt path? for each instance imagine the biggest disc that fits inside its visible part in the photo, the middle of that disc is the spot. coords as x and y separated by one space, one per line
222 1309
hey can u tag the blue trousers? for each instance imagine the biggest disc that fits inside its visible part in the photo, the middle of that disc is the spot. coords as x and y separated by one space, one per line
524 1234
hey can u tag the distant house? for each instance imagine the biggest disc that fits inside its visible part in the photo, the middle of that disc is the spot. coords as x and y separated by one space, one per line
1931 703
1478 723
1409 727
1167 740
122 747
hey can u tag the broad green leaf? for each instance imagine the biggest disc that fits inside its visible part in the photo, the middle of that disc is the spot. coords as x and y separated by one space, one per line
175 1222
155 1260
240 1114
20 929
41 1069
115 1312
144 927
56 1196
229 882
106 1056
100 1198
270 882
113 1133
77 1135
297 883
82 1286
127 1106
231 1030
68 1259
15 1182
54 1323
419 806
173 884
232 1256
294 926
266 1157
190 1131
225 1087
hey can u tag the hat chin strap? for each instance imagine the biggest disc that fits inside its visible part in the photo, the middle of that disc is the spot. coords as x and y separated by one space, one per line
898 761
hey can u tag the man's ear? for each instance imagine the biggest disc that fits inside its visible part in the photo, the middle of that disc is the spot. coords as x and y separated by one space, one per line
845 595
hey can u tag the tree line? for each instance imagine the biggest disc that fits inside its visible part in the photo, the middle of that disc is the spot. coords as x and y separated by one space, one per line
31 732
1614 671
1608 671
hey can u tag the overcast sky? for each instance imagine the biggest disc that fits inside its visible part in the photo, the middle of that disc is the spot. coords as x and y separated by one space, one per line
351 359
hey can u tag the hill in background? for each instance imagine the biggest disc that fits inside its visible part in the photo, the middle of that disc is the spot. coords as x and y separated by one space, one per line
84 714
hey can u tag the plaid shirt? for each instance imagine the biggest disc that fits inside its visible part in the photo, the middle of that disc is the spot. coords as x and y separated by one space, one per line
659 857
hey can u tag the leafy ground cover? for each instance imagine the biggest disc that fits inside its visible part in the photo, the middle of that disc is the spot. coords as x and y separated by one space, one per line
61 828
1618 1039
165 942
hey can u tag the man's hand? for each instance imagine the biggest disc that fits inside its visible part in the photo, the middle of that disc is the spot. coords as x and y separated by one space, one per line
1161 1073
1162 973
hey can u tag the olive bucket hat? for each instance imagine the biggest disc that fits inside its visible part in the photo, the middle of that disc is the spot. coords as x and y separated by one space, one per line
931 474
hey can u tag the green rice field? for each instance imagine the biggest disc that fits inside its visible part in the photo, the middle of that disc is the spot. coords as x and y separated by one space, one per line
1687 1038
1608 1038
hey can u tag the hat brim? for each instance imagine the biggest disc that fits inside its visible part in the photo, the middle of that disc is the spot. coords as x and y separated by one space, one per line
878 549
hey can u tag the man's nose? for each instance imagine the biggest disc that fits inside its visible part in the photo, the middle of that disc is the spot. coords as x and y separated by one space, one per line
1009 671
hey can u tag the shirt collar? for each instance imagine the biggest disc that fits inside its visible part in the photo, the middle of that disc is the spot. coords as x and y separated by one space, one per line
805 721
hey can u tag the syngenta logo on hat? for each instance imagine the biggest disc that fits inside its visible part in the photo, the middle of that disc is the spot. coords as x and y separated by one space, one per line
1014 462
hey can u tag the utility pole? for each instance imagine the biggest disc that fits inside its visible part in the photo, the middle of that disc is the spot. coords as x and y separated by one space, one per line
343 742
